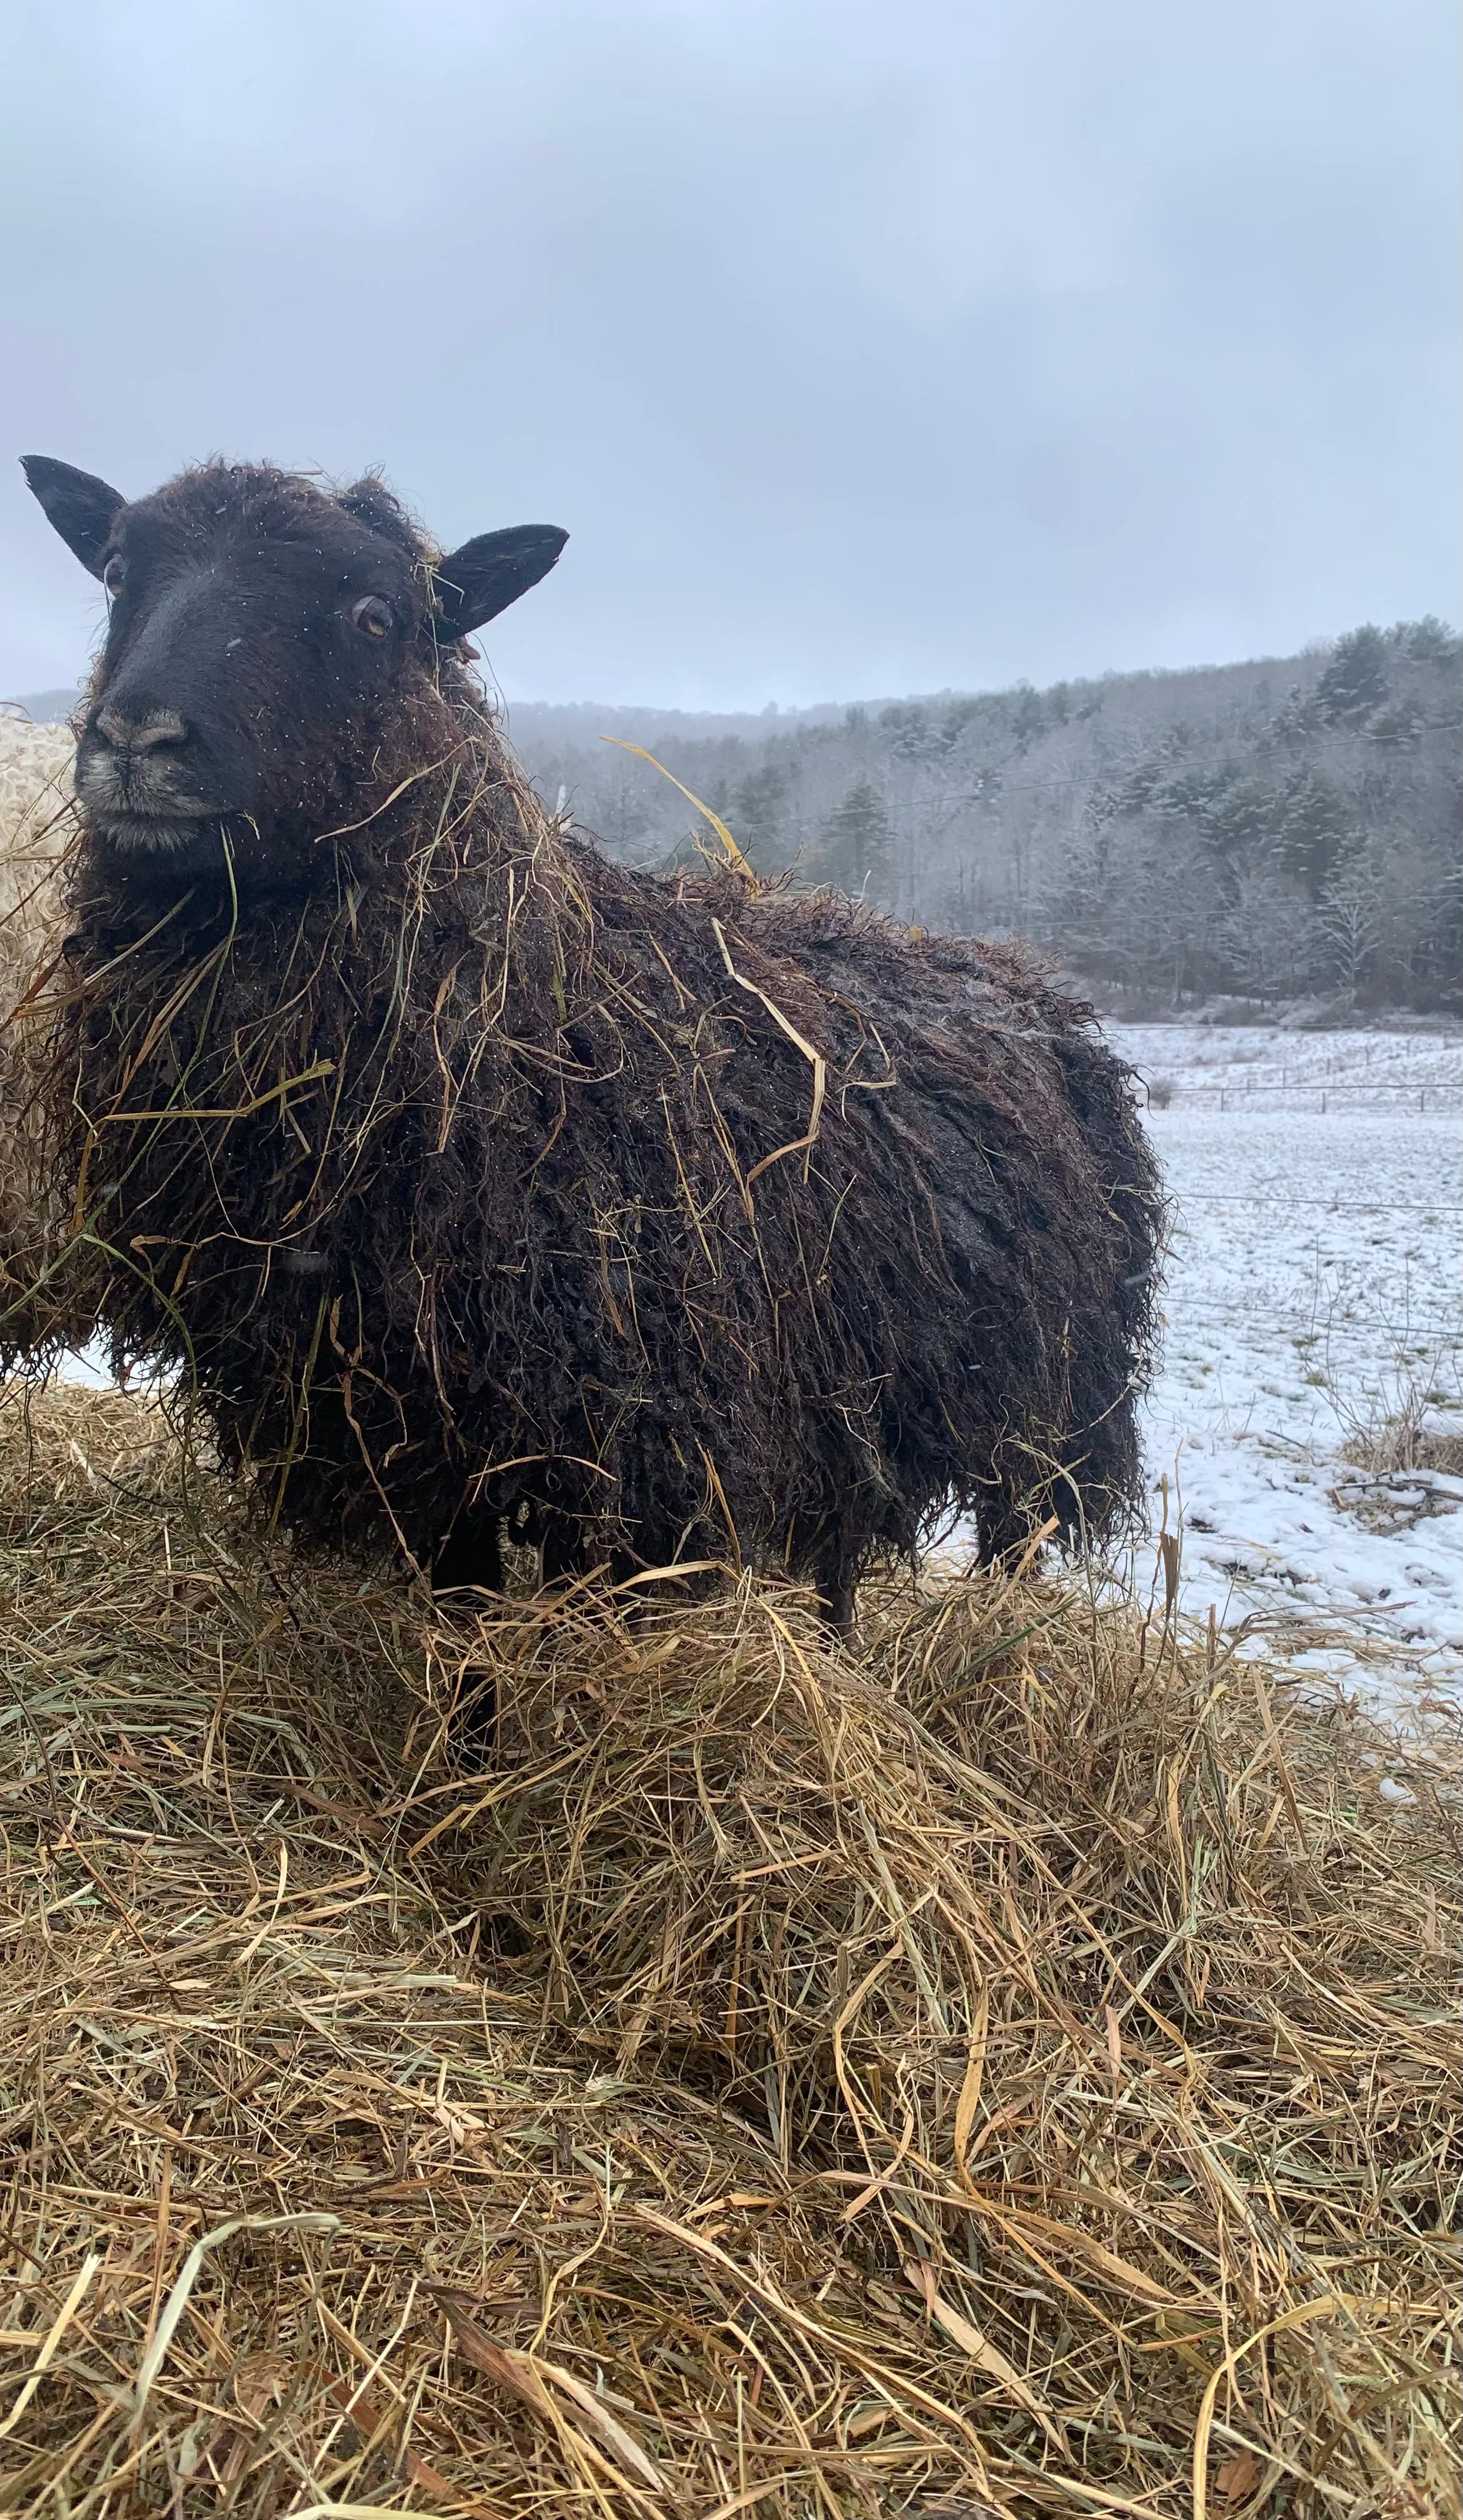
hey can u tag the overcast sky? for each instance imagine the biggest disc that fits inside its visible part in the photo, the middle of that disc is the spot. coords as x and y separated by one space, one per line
861 349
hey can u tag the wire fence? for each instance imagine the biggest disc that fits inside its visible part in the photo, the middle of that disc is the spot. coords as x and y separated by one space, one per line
1377 1097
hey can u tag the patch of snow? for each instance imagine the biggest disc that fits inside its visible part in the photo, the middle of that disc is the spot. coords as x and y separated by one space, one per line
1316 1285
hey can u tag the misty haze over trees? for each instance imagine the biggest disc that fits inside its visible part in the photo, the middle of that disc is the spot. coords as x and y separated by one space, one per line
1271 829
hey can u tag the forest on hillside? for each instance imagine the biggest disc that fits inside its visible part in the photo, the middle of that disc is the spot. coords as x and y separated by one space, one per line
1268 830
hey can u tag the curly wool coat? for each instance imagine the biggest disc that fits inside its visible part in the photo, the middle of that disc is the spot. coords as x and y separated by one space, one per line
469 1179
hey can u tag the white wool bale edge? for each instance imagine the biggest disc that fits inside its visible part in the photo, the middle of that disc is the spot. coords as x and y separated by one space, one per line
37 822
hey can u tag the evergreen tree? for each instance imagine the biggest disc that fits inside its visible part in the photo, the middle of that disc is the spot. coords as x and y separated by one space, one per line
1429 642
1028 716
1355 681
856 850
1314 833
754 815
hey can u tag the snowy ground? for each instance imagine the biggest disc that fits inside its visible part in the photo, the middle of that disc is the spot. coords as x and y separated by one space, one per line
1315 1288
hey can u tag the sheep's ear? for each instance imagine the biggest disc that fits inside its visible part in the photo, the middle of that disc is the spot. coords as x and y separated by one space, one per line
82 509
483 577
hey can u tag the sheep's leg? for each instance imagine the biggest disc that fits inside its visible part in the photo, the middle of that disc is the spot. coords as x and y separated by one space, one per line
1005 1521
838 1616
569 1550
836 1577
470 1559
565 1553
474 1733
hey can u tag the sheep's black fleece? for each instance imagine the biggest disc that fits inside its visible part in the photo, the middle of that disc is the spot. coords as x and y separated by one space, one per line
469 1180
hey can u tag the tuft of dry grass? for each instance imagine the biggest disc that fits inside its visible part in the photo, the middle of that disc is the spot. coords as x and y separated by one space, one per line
1400 1443
1013 2068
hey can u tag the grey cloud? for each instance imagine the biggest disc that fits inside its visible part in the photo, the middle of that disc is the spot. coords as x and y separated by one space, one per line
859 350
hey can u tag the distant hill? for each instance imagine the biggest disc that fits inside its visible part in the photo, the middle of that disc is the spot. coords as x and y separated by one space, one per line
45 707
1282 828
1277 829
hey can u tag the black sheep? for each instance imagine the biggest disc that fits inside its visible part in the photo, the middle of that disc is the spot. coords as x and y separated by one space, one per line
475 1183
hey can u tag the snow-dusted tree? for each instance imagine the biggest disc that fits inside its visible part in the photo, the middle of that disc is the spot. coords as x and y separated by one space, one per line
856 846
1350 918
1265 941
1355 681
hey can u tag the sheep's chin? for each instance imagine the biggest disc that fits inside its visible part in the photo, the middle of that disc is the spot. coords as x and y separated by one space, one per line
147 836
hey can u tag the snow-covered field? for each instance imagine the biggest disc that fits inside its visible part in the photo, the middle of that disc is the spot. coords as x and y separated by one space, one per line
1313 1291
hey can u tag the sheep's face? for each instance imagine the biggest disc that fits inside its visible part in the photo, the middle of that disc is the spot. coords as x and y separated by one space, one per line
258 633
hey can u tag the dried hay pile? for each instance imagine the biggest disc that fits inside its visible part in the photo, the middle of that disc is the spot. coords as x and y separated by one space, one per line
1012 2071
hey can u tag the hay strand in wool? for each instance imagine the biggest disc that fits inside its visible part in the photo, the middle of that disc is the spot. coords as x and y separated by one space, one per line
735 857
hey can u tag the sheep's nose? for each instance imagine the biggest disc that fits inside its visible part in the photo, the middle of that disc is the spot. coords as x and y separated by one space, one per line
142 733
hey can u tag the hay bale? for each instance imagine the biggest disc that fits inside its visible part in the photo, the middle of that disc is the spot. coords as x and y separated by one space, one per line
36 822
963 2080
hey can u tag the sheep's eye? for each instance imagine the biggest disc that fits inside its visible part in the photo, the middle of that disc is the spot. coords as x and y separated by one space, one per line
113 574
372 615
